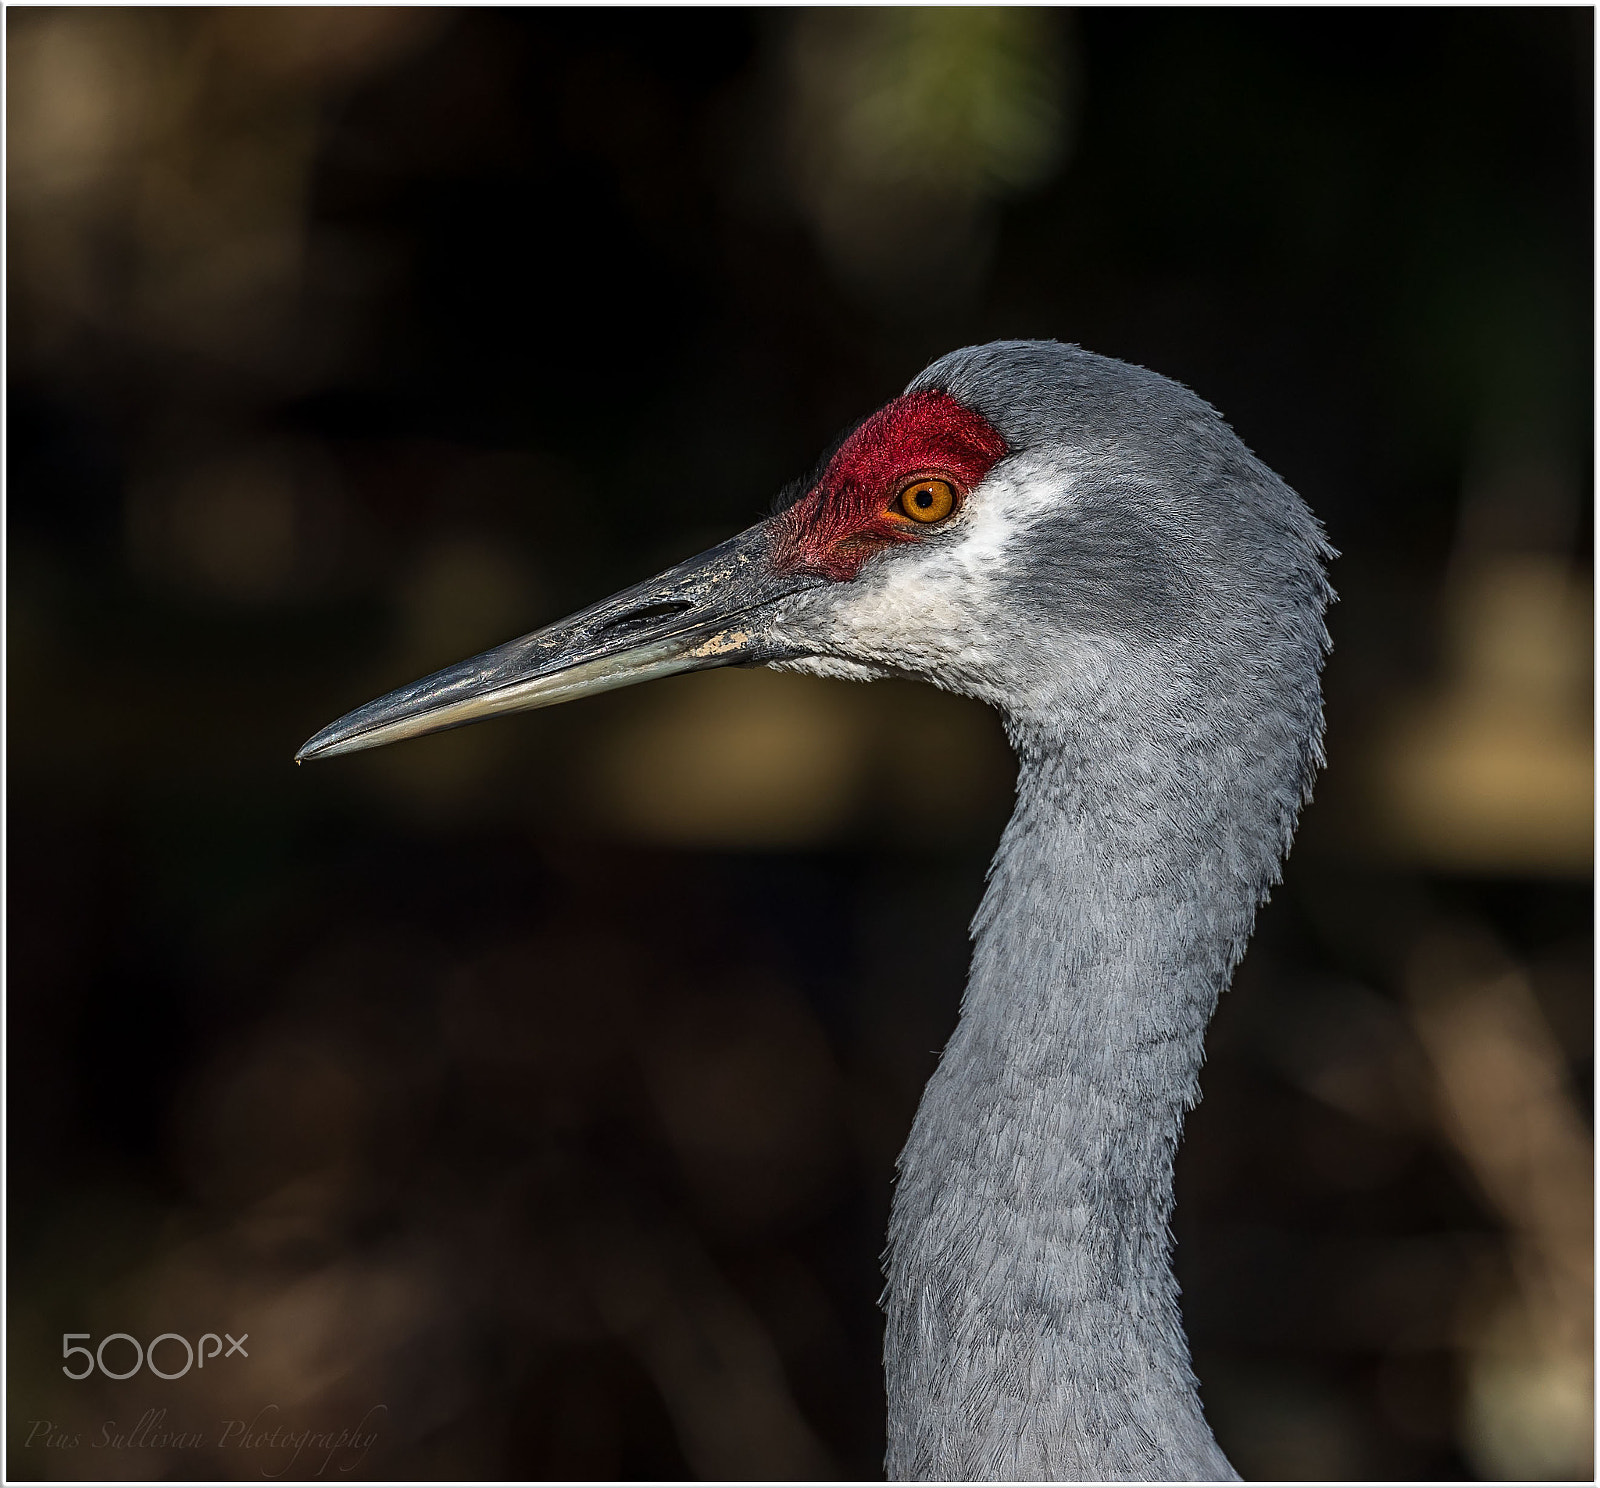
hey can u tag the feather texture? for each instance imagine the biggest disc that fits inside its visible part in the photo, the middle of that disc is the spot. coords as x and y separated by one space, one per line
1162 624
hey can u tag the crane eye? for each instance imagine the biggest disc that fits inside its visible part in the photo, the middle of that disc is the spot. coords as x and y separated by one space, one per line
928 500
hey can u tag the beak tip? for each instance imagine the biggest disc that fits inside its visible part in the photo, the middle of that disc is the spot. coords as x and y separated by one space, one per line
316 746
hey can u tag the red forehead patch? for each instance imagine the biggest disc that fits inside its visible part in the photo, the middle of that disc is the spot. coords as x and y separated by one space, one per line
845 518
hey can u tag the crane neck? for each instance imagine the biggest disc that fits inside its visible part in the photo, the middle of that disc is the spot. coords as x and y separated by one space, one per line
1033 1320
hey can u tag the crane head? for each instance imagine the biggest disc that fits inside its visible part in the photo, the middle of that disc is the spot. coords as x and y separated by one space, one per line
1022 519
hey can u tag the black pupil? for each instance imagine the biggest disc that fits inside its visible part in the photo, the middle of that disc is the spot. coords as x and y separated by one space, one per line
924 498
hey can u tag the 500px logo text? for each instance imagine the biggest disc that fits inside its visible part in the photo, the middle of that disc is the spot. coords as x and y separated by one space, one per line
194 1354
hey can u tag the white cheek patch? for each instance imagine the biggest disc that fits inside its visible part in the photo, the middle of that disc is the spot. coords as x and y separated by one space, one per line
925 601
938 608
1020 492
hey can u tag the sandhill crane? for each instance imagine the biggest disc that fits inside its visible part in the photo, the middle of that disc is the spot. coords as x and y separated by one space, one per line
1086 546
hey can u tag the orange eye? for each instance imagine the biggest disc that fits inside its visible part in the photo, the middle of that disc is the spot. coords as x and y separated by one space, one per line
928 500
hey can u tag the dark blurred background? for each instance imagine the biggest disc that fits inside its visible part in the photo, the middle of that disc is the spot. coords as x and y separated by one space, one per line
541 1082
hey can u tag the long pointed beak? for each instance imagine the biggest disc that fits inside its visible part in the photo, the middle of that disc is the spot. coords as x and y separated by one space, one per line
707 612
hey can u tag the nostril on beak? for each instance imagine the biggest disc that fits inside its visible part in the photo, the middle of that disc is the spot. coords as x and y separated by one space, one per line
640 616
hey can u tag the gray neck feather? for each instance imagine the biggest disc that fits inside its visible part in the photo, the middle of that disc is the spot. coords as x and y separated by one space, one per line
1033 1322
1155 648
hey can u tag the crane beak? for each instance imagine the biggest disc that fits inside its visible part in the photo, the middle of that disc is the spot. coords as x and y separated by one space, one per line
707 612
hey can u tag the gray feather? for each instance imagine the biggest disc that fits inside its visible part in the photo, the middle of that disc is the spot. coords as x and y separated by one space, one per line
1167 716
